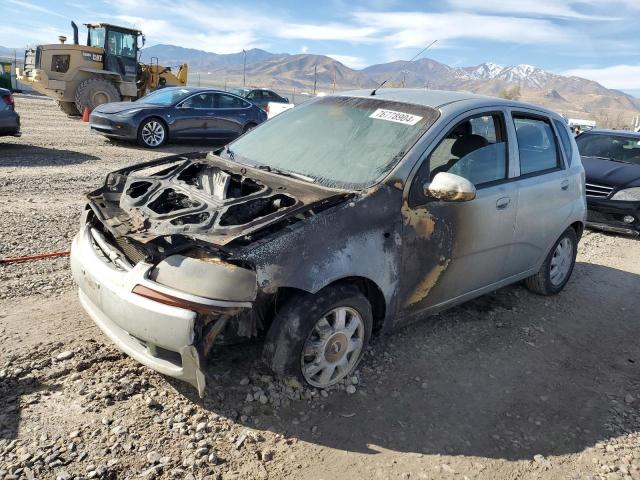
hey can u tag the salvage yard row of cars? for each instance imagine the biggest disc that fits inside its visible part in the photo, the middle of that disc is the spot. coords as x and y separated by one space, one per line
379 209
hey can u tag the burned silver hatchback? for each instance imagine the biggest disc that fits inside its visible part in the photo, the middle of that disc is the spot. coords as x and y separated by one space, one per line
341 218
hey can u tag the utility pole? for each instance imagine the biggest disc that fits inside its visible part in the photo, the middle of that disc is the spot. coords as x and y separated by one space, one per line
13 76
244 69
334 81
315 78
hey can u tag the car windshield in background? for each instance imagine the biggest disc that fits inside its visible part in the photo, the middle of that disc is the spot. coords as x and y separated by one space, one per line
614 147
242 92
342 142
165 96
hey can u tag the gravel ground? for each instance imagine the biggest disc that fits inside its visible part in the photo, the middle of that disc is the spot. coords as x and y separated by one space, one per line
508 386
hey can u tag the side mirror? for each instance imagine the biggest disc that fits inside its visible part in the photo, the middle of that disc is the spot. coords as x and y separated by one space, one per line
450 187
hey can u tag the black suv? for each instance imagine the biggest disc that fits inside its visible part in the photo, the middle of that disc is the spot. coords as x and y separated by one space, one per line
611 160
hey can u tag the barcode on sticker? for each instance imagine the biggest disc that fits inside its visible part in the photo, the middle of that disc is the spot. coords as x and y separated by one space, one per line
393 116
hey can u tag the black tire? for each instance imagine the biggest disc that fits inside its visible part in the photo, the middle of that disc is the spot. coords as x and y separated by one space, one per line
69 108
155 125
247 127
95 91
541 283
295 322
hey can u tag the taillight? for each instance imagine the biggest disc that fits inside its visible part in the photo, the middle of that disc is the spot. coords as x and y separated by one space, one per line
266 109
8 99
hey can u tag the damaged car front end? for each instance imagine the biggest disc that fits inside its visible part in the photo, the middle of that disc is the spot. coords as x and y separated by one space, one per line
155 262
348 215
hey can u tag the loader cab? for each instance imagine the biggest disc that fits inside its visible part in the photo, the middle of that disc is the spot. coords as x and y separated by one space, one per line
120 48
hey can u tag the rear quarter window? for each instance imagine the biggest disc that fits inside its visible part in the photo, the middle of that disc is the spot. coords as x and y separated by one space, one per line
565 139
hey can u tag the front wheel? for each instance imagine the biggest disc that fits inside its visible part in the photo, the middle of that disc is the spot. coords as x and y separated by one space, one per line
320 338
152 133
558 266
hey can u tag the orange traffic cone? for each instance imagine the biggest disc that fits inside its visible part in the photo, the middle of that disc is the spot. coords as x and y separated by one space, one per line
85 114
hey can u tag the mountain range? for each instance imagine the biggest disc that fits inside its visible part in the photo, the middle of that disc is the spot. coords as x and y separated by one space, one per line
571 96
297 74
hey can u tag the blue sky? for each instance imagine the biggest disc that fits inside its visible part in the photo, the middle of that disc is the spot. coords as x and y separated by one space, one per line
597 39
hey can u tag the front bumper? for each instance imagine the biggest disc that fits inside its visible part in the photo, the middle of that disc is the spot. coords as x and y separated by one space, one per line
112 126
157 335
608 215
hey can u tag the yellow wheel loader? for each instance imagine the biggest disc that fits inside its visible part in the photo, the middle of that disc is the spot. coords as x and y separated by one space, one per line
104 70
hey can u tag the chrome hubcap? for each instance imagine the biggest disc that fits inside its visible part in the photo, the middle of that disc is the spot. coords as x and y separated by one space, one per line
333 347
153 133
561 261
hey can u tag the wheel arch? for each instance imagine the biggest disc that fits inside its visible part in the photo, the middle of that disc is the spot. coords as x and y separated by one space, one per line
366 286
579 228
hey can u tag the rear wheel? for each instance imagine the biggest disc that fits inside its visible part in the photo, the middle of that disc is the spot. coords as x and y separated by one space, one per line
320 338
152 133
94 92
558 266
69 108
248 127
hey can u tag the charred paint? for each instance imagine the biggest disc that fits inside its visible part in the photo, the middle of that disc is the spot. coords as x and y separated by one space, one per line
429 281
419 220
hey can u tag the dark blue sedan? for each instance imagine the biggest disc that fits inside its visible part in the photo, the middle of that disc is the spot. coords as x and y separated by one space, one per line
177 113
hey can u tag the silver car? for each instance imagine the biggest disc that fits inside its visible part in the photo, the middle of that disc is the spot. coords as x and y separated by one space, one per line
337 220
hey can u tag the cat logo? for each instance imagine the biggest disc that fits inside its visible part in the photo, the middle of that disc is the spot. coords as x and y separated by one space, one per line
94 57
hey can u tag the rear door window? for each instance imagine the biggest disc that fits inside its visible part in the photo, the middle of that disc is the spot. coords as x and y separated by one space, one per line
565 139
536 145
228 101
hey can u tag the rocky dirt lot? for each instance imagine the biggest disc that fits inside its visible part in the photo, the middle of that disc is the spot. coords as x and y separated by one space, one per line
509 386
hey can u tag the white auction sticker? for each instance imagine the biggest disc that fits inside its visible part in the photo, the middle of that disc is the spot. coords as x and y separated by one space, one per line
393 116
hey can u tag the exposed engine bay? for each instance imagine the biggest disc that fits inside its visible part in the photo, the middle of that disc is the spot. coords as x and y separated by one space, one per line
163 206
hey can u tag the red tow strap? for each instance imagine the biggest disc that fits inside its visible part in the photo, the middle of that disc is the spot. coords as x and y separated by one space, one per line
28 258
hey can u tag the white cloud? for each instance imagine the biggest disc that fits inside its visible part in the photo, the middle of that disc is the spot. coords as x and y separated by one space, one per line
33 7
621 77
329 31
349 60
417 29
533 8
304 49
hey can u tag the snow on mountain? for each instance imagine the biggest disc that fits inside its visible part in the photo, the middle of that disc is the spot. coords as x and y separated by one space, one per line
482 71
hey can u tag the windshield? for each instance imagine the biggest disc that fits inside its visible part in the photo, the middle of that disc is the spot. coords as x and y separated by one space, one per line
341 142
96 37
165 96
616 147
240 91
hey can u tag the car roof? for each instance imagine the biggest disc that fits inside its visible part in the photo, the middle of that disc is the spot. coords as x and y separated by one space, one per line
604 131
4 91
197 89
439 98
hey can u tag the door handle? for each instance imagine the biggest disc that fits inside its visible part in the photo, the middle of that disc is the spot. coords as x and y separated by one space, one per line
564 185
503 203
